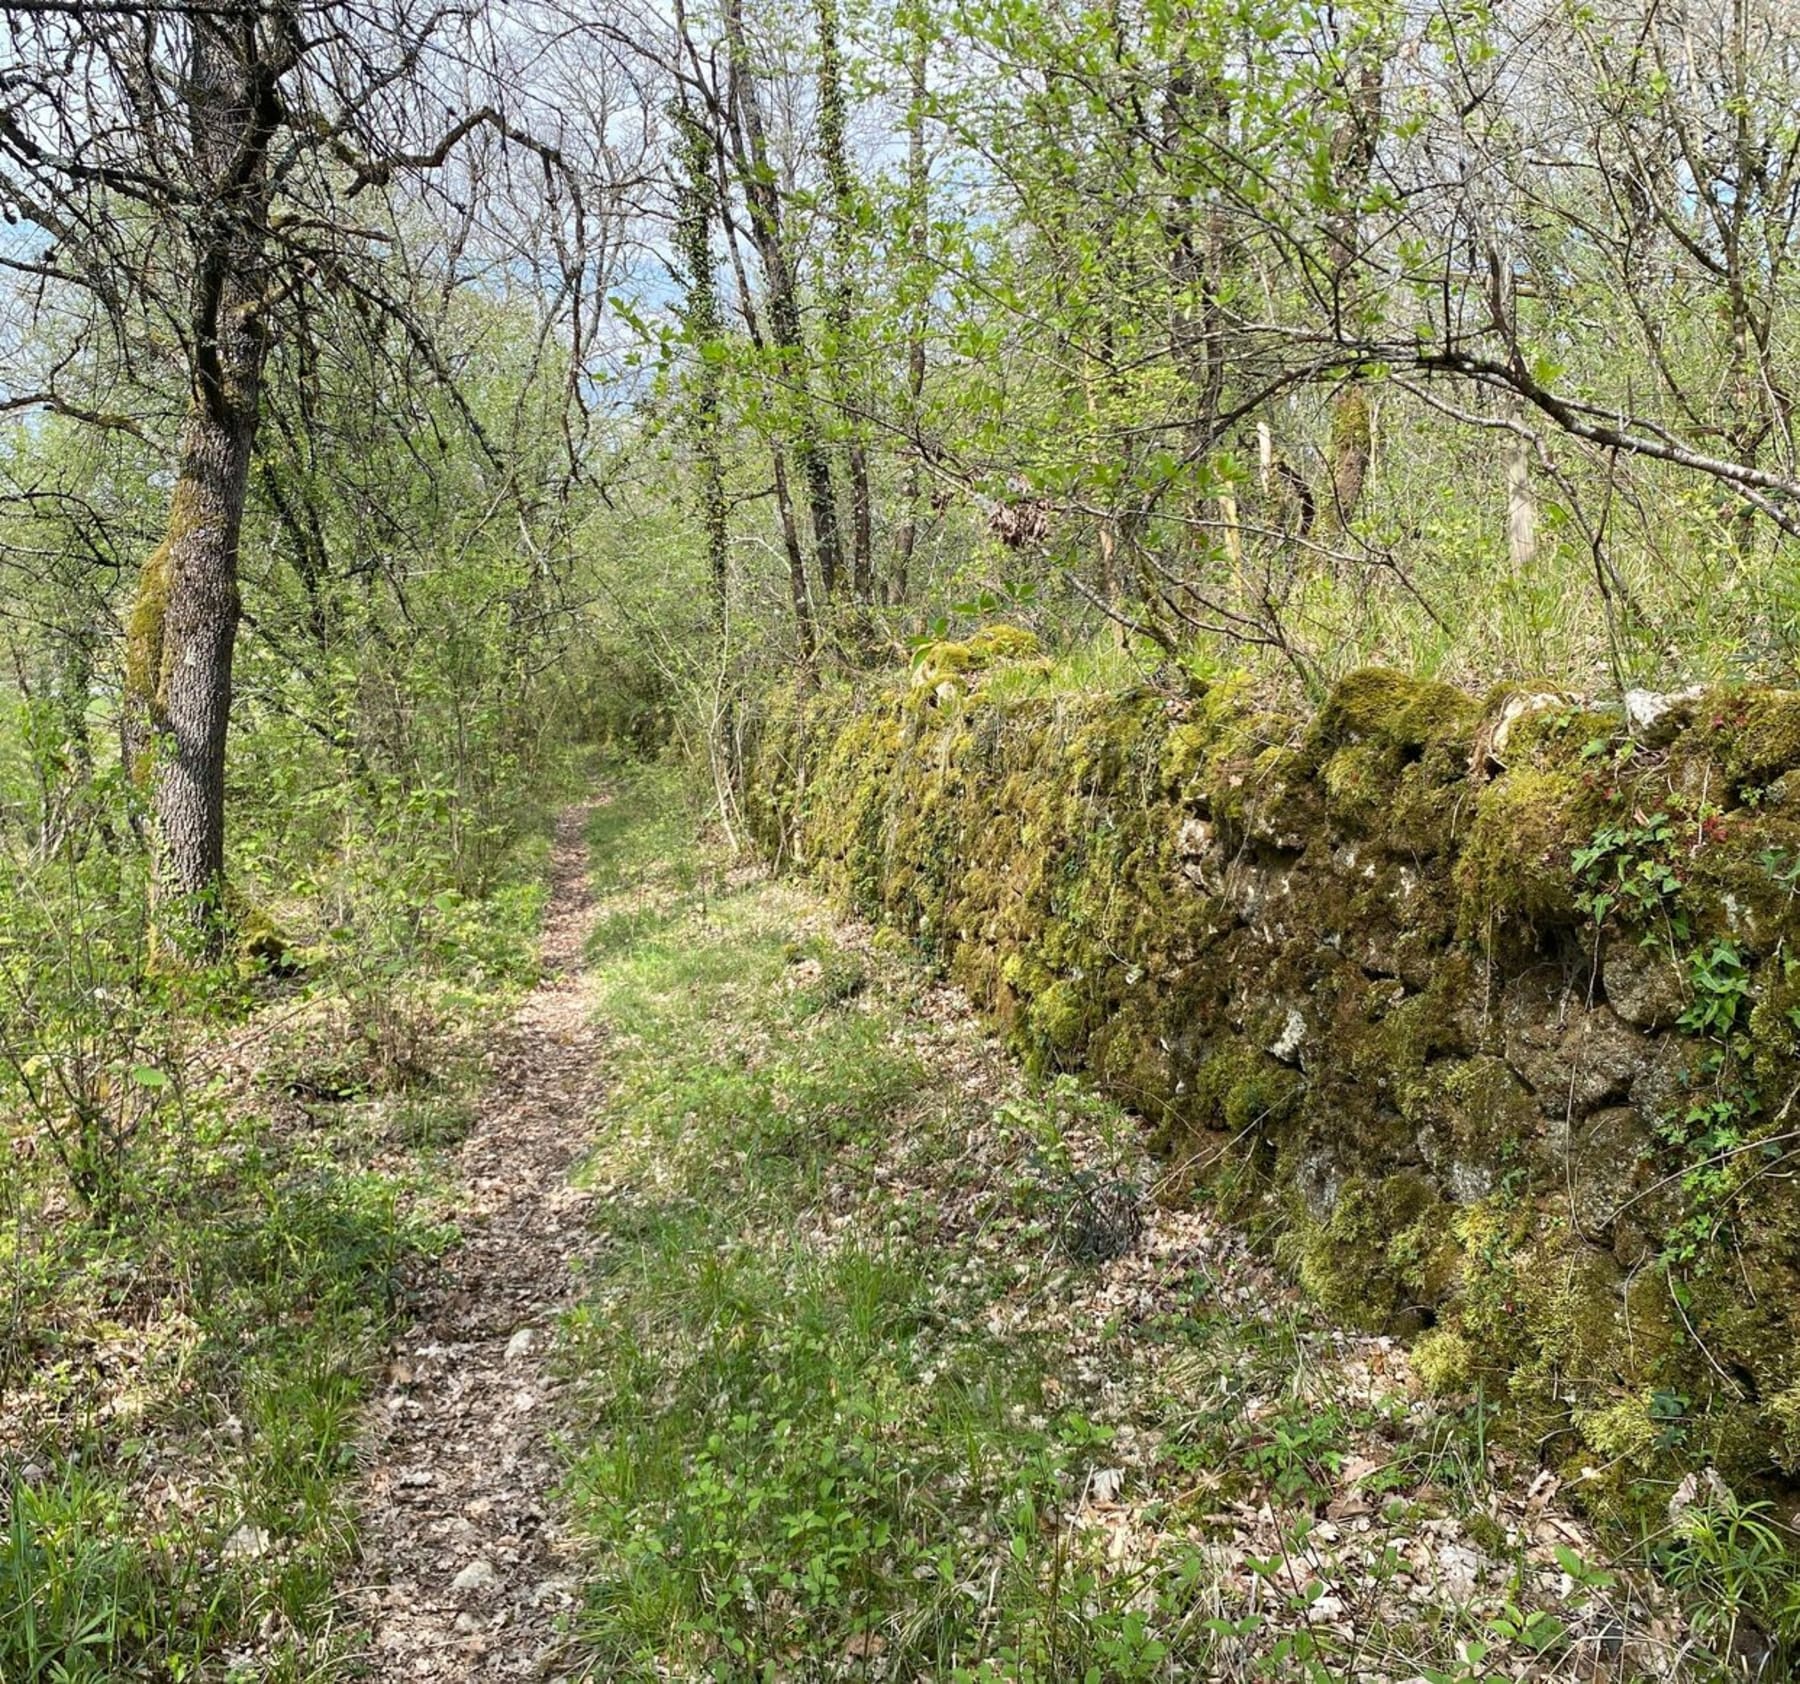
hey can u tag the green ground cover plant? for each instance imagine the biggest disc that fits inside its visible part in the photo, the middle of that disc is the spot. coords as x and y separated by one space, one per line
864 1388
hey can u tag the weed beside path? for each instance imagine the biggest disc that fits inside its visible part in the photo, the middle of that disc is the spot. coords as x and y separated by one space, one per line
892 1366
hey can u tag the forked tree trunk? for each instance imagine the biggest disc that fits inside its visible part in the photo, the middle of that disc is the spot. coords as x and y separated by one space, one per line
762 197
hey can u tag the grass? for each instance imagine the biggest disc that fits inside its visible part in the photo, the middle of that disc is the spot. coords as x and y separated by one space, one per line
873 1381
177 1487
182 1375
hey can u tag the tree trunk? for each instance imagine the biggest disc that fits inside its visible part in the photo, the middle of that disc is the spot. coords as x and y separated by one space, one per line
1352 161
762 196
1195 114
1521 510
1352 444
804 629
184 623
918 248
841 301
790 538
697 208
183 631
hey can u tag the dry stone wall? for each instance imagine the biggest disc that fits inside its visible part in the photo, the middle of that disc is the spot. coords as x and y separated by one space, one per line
1486 1012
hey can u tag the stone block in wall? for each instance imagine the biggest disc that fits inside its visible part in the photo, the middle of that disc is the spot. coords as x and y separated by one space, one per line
1663 1086
1602 1166
1642 982
1467 1115
1574 1058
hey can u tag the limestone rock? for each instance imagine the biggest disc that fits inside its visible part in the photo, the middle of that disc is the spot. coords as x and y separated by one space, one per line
1578 1064
1658 717
1663 1086
1642 984
1606 1164
477 1577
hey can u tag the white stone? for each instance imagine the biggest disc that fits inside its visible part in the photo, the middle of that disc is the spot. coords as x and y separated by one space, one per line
478 1575
1286 1046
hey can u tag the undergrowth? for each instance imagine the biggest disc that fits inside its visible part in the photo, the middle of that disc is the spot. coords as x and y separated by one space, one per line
186 1342
887 1366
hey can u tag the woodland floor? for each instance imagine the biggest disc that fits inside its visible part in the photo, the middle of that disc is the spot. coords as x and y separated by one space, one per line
727 1305
733 1308
794 1334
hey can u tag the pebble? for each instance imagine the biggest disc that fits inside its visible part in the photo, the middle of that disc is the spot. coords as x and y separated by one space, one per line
478 1575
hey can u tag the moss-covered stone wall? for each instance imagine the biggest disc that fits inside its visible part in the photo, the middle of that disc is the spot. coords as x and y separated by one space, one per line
1485 1012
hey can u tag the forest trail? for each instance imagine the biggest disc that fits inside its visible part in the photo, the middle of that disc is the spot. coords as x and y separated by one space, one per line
892 1362
463 1576
820 1342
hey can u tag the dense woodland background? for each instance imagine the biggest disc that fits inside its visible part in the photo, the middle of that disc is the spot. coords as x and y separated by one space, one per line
395 399
471 374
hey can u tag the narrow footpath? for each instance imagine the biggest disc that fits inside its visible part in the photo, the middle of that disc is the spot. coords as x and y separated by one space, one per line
465 1576
820 1342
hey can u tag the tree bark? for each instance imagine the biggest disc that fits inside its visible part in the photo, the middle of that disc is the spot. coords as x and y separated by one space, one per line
1352 159
804 629
183 627
841 301
1521 510
763 197
697 208
918 251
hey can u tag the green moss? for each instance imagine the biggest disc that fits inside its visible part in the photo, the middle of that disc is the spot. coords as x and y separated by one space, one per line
1515 866
1059 1020
1381 706
1443 1361
1359 784
1185 753
1352 430
939 662
1753 733
1251 763
145 680
1477 1104
1239 1088
260 942
1782 1412
1381 1255
1542 1311
1624 1431
1737 876
1432 804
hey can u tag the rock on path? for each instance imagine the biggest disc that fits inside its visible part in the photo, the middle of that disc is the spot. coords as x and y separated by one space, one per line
463 1575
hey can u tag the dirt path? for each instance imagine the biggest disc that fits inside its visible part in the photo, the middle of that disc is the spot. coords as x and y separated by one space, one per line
463 1576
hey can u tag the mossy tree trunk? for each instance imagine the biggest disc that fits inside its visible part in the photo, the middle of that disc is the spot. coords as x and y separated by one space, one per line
918 285
183 626
697 206
1353 148
840 313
